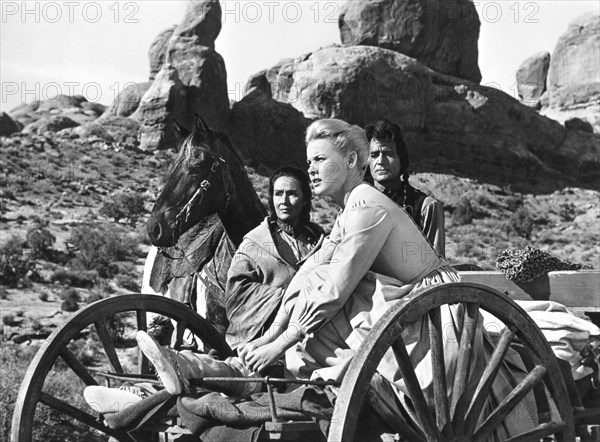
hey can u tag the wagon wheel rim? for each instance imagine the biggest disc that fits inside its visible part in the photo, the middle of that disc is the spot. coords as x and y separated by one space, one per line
456 418
55 347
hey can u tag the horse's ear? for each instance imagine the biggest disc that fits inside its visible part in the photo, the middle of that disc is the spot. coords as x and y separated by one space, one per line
201 128
180 132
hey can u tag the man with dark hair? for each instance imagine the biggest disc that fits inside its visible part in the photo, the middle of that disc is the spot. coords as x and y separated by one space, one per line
389 163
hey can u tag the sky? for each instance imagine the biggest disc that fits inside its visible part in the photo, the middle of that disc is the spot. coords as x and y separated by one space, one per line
98 48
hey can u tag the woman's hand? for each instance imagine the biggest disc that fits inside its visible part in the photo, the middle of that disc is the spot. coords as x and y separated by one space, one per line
260 358
246 348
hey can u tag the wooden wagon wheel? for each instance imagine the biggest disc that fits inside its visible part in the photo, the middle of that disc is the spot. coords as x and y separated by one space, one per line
95 317
456 418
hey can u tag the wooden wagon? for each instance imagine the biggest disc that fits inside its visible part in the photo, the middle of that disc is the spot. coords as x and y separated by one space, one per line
559 408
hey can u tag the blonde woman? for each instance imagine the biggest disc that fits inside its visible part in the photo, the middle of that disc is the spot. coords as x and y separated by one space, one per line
376 254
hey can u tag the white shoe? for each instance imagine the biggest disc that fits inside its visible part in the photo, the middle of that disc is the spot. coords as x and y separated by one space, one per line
164 363
107 400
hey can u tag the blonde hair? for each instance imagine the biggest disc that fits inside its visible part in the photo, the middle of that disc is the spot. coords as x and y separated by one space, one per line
344 136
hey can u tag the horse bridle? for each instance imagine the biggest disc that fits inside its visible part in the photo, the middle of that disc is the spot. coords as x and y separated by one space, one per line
185 212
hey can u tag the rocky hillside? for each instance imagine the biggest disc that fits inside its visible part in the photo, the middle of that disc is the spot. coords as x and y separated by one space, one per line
507 175
62 182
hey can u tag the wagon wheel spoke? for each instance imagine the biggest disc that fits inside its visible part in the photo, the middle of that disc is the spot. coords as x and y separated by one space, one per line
107 343
509 402
77 367
142 325
463 364
179 331
392 418
427 423
81 416
489 374
541 400
440 391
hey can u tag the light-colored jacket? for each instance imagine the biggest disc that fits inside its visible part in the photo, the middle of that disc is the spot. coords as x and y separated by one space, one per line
256 281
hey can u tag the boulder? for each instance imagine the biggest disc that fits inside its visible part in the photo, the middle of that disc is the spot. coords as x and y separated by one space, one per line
157 51
442 35
24 109
457 126
110 129
574 73
201 23
579 124
128 100
50 124
531 79
75 108
202 71
7 125
275 81
164 102
93 108
61 102
267 132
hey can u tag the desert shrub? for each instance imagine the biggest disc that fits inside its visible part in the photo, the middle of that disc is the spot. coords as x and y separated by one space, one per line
128 282
95 296
14 264
36 326
124 205
70 299
463 212
8 319
521 222
100 248
513 203
43 297
75 278
40 241
567 211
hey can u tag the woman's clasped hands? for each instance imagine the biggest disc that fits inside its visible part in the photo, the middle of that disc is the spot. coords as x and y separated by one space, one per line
260 354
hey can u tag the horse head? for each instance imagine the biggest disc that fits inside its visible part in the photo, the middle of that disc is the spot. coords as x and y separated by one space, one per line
199 184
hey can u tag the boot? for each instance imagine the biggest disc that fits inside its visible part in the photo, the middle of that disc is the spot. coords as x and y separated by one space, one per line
121 409
176 368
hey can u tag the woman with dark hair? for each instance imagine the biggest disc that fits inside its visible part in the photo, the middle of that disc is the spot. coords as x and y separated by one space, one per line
270 256
389 161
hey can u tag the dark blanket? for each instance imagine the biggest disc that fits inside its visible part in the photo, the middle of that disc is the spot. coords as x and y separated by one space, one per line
196 247
208 413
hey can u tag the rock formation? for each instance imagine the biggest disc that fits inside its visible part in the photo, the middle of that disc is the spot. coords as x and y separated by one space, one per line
573 77
7 125
193 72
76 109
111 129
266 131
458 126
128 100
531 79
440 34
49 124
161 104
158 49
574 73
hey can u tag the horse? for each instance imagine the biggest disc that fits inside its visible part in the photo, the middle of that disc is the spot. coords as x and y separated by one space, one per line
200 217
